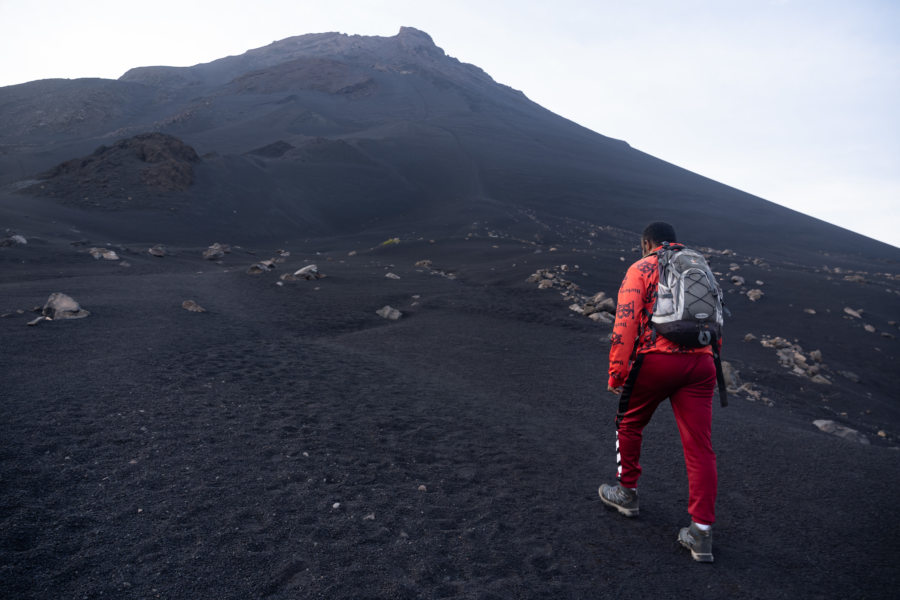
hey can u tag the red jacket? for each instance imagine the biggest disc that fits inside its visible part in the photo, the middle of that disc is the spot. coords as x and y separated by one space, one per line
631 335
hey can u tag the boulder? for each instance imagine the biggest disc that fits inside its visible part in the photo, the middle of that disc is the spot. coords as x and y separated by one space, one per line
602 317
262 266
308 272
388 312
216 251
841 431
62 306
732 376
607 305
104 253
192 306
13 240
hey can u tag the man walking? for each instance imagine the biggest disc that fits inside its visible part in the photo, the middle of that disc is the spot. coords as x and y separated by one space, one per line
646 368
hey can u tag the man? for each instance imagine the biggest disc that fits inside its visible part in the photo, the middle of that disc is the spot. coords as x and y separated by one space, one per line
646 368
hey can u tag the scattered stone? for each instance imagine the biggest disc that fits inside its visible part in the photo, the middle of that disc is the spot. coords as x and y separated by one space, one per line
262 266
887 335
425 264
545 284
849 375
576 308
737 280
734 267
388 312
749 337
13 240
855 278
754 294
369 517
882 433
758 282
731 375
62 306
820 379
104 253
352 253
816 355
809 311
336 505
158 250
853 313
422 488
841 431
392 276
602 317
192 306
283 253
308 272
34 322
869 328
216 251
727 252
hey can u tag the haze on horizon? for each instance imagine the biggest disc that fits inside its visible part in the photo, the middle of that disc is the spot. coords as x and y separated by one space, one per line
791 100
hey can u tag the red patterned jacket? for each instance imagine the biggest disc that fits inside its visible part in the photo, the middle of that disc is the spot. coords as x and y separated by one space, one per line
631 335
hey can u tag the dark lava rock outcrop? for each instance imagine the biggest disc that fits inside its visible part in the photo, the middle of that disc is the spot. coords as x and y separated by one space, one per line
127 174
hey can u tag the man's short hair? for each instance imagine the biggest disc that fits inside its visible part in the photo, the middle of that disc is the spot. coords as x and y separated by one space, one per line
659 232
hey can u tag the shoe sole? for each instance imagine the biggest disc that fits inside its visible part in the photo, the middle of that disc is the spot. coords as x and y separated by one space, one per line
698 556
628 512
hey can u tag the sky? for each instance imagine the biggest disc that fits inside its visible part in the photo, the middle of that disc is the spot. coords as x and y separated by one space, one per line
796 101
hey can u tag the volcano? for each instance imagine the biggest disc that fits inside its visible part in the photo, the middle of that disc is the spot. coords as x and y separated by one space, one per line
342 340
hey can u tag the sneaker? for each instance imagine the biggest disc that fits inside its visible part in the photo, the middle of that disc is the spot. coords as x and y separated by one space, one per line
622 499
699 542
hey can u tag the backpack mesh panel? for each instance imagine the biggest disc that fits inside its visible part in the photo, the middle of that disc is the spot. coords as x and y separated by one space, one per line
697 298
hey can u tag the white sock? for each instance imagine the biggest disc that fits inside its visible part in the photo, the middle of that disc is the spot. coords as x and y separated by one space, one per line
702 527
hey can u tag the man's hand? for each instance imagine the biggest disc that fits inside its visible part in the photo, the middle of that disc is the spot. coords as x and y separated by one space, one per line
615 390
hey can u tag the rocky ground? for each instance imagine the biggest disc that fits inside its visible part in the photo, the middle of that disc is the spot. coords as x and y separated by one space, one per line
424 416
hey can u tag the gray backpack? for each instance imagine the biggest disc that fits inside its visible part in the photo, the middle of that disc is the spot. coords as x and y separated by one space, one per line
689 307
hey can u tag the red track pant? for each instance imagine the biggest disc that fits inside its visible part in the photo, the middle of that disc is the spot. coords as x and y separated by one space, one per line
688 380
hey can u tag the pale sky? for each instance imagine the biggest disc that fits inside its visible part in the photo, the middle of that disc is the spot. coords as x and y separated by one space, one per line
795 101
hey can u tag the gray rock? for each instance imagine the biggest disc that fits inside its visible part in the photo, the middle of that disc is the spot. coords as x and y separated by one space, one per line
388 312
192 306
731 375
13 240
308 272
216 251
841 431
158 250
104 253
607 305
62 306
602 317
853 313
755 294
